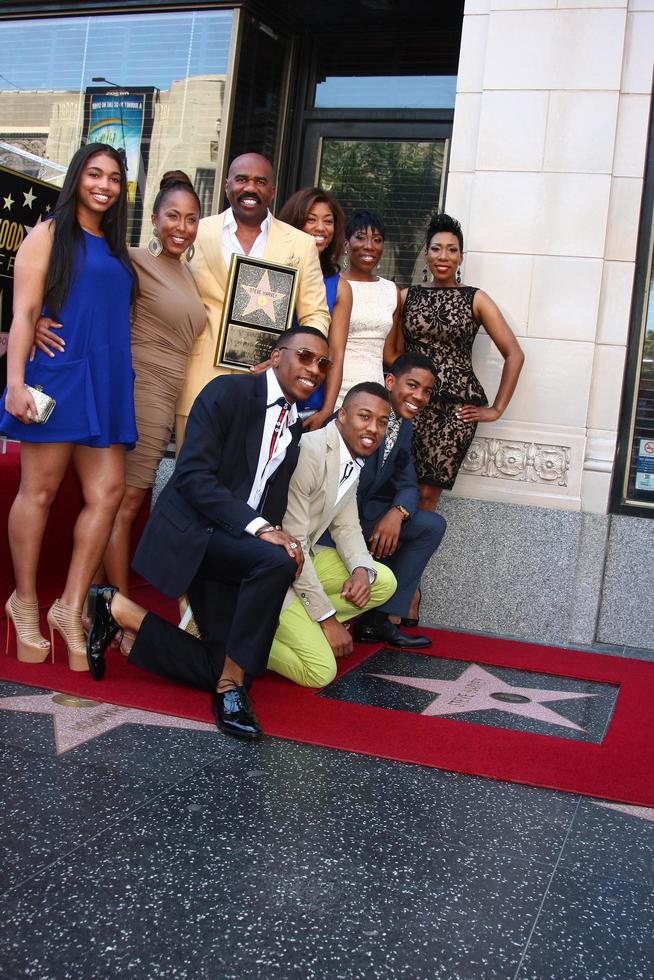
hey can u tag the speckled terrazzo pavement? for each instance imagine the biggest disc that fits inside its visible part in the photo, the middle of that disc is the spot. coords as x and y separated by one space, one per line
154 852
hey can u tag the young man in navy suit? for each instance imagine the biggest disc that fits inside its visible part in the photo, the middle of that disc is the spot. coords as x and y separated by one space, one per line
215 534
399 534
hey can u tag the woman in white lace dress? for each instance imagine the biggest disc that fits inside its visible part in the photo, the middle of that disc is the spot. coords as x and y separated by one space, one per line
375 302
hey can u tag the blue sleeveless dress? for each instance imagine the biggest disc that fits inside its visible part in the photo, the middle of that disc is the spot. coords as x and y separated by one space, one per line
317 399
92 382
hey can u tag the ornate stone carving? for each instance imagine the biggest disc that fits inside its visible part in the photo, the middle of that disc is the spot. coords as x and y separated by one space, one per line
511 459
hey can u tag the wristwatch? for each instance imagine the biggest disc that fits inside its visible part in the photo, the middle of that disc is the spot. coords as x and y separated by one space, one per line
404 512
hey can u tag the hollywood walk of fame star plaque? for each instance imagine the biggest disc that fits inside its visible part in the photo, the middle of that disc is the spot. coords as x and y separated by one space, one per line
498 697
259 304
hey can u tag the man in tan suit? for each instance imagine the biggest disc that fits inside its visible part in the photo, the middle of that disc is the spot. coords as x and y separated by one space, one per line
335 584
247 228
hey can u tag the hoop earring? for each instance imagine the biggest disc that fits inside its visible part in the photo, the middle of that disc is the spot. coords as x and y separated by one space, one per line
458 276
346 262
155 248
190 252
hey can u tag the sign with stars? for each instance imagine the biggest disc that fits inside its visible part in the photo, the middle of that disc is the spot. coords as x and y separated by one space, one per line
23 202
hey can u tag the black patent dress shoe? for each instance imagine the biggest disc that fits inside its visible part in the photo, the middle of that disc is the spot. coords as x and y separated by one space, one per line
234 715
389 634
103 627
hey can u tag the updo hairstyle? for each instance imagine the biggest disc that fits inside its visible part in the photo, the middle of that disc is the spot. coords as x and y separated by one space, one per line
174 180
443 222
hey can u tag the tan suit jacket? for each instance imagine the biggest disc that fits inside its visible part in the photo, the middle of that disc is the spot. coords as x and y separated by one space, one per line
312 508
285 245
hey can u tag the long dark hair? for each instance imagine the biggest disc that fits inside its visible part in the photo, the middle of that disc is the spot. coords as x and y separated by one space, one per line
296 211
68 236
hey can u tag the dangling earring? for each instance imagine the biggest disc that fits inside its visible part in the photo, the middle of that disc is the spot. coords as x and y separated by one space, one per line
346 262
424 273
190 252
155 248
458 276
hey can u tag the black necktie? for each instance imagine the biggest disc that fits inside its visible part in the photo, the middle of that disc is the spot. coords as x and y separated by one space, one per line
346 472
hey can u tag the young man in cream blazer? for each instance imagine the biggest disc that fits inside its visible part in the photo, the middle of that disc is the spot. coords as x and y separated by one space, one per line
247 228
335 584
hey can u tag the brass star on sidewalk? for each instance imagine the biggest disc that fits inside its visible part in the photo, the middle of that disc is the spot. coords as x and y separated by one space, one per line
78 720
477 690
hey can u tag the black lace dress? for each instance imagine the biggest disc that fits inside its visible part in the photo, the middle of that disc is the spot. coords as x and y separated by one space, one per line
438 321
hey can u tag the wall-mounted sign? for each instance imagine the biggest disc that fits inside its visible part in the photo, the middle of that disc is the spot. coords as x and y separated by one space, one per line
23 202
645 465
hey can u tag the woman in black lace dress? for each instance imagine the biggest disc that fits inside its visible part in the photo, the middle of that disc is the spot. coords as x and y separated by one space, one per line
441 320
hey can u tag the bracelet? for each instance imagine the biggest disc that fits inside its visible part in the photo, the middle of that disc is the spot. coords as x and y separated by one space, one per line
266 528
403 511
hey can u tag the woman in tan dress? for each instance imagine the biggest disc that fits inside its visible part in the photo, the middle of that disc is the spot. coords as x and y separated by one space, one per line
168 316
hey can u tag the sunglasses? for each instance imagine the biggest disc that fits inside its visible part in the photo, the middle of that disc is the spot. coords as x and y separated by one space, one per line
306 356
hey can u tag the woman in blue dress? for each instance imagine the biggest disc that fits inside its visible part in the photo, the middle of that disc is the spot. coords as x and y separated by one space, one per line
76 269
319 214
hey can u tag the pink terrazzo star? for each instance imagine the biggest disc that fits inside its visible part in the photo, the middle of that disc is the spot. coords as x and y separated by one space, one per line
262 297
642 812
82 720
477 690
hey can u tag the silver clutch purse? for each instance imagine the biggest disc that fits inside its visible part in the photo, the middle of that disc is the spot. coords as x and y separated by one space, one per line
44 403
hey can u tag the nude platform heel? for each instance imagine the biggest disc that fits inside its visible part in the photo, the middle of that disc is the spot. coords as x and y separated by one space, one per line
67 622
24 617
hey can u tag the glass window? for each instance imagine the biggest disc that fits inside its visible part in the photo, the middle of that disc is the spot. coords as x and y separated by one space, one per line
380 92
257 120
640 477
151 83
633 483
383 70
401 180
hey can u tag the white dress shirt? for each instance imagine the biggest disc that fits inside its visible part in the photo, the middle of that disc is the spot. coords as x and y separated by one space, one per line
349 468
266 467
231 243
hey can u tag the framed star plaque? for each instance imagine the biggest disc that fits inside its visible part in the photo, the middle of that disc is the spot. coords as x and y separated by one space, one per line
259 304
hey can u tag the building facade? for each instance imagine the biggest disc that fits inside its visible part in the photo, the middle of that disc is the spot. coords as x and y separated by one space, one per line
530 121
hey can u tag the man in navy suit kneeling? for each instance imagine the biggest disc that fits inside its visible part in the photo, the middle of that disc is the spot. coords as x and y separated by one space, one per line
215 534
399 534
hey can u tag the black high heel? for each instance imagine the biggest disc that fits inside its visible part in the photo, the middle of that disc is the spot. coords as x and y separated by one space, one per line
103 627
406 621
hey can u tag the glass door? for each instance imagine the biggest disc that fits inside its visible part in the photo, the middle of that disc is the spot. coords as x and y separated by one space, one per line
397 170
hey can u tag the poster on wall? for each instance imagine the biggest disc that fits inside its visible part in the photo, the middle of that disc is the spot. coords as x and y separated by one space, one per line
645 465
24 201
123 119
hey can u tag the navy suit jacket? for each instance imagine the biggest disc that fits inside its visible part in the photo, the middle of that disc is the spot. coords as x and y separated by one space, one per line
383 487
212 481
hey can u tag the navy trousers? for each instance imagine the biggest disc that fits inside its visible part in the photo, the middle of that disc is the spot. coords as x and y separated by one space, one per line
420 536
236 597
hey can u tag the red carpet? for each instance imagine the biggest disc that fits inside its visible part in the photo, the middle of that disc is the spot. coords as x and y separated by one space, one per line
621 768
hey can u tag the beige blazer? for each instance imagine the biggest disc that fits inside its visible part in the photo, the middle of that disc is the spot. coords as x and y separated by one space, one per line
285 245
312 509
